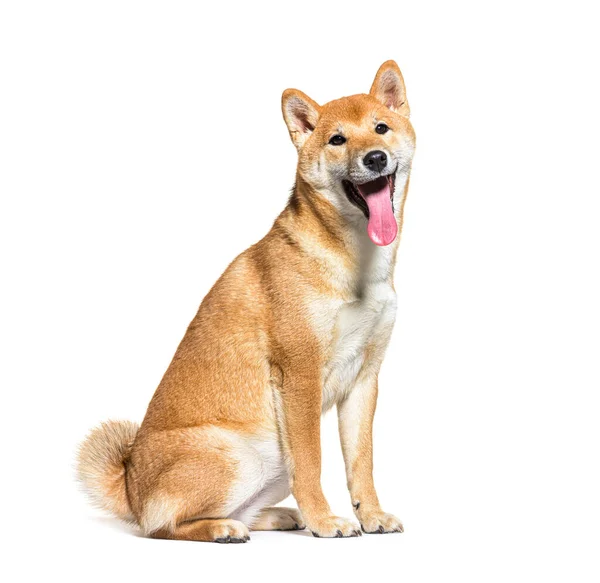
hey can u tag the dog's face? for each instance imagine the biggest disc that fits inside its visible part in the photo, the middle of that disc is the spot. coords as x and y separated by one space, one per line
356 150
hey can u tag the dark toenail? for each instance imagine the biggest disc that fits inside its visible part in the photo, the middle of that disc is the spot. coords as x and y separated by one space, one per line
339 534
381 529
315 534
296 526
357 505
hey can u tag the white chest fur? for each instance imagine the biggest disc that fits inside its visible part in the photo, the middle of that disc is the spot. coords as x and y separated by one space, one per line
360 336
355 334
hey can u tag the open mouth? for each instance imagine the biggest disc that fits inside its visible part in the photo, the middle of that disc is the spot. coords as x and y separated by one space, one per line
376 200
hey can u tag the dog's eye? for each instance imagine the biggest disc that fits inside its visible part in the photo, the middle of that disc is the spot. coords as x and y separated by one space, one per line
381 128
337 140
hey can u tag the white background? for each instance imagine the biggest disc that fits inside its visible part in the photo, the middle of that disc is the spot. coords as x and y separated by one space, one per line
142 148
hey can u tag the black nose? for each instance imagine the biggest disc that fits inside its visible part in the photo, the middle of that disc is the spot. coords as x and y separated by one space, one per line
375 160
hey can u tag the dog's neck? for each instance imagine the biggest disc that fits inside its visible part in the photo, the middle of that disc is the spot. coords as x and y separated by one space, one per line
338 243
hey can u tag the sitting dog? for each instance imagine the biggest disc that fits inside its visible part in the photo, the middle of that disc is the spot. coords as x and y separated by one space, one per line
298 322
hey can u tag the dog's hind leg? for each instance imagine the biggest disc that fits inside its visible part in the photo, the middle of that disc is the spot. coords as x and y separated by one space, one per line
208 484
221 530
279 518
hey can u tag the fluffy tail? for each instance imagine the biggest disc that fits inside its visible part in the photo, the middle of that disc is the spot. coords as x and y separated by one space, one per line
101 466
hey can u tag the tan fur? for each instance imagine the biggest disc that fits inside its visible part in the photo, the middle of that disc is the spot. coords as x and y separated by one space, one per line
101 466
234 425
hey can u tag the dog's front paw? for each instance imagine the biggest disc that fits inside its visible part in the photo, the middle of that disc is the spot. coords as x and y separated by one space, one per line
333 527
379 522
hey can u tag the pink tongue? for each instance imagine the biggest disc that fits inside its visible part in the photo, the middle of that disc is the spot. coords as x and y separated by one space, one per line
382 228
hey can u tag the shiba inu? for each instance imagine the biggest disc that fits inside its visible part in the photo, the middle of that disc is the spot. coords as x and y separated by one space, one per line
297 323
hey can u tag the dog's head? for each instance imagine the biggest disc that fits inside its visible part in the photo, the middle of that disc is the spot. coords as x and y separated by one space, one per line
356 150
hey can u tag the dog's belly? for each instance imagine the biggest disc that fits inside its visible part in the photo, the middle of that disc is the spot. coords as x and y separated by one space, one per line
358 336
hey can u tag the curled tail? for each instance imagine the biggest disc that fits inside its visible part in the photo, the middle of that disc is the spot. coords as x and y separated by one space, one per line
101 466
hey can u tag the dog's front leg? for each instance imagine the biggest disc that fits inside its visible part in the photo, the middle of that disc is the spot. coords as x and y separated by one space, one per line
355 418
301 432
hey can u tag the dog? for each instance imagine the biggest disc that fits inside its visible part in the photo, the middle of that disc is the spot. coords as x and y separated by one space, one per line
298 323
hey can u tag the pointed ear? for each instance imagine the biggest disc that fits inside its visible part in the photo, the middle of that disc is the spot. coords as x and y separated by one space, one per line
301 114
389 88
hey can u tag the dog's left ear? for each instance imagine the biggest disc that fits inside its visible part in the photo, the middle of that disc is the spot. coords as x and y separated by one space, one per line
389 88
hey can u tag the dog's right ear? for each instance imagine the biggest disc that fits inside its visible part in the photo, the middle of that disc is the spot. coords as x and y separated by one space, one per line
301 114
